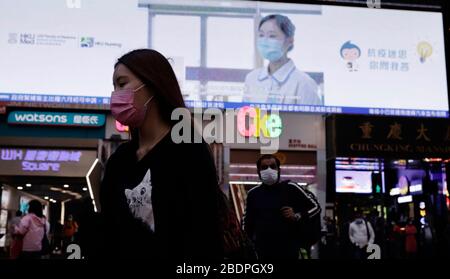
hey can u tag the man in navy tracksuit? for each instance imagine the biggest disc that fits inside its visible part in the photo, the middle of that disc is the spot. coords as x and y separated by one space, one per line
275 212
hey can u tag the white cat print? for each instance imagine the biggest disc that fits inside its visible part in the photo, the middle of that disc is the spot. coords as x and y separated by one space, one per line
140 201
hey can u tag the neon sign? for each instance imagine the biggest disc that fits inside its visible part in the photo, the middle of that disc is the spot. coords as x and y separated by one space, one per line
271 125
56 118
40 160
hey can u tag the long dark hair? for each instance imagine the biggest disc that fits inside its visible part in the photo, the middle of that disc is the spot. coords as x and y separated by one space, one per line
153 69
35 207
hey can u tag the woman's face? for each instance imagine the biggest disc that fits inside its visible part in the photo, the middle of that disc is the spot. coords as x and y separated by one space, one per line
123 78
270 30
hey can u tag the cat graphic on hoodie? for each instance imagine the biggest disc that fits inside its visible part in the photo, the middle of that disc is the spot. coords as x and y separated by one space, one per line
139 201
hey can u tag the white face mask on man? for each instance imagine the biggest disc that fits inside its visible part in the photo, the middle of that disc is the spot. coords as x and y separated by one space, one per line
269 176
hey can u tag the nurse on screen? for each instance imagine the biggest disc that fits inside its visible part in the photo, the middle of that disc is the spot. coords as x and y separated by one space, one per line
281 82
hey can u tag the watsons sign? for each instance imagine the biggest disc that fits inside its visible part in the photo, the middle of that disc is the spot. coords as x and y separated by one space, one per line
56 119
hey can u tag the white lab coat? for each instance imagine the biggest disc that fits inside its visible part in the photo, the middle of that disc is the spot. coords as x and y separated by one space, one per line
287 85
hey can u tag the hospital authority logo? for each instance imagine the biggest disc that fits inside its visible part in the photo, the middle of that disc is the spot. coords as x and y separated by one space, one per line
350 53
86 42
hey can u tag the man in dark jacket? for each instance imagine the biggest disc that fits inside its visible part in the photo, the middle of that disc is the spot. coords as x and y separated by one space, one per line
275 212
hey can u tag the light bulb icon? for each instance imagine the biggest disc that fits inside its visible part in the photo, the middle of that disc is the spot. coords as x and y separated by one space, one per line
424 50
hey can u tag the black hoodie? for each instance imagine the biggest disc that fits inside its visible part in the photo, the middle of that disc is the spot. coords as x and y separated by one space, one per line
274 236
163 206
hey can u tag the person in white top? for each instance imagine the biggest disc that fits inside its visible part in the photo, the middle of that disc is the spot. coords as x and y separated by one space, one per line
361 234
281 82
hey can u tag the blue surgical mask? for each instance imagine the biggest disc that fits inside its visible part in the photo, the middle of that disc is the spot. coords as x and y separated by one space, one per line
270 49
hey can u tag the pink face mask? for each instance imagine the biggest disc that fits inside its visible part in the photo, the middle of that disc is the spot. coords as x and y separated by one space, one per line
124 110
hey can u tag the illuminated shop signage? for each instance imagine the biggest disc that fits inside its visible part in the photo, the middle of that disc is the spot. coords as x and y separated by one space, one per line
40 160
56 118
14 161
270 125
405 199
390 136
